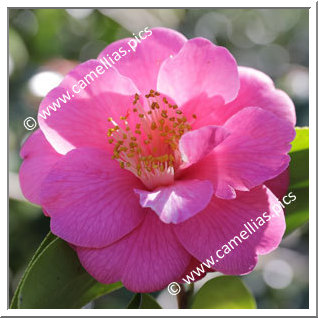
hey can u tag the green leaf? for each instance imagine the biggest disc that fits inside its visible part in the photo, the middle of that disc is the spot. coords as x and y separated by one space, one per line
299 154
299 169
224 292
56 279
48 239
148 302
143 301
297 212
301 141
135 302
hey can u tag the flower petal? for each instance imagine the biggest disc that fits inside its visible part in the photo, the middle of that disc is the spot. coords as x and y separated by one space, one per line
146 260
257 90
279 185
255 151
222 223
193 266
38 159
196 144
201 109
80 121
199 67
142 66
90 199
179 201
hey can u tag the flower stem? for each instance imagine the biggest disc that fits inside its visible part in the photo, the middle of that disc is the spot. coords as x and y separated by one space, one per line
184 296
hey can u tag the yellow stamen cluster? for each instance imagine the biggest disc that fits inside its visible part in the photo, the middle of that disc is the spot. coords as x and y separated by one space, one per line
149 147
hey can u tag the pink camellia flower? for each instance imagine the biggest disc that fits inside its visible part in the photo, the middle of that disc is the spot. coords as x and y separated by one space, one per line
161 160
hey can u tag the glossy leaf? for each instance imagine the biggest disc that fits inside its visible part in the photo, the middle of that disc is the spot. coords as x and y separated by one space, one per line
56 279
224 292
297 212
143 301
301 141
299 169
299 164
135 302
148 302
47 240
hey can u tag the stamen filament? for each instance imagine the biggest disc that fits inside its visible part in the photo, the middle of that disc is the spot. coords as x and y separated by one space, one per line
149 149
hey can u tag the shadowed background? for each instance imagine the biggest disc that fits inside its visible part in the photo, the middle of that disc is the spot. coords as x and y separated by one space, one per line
44 44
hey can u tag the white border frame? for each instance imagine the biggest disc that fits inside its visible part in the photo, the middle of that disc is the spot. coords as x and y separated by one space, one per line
312 166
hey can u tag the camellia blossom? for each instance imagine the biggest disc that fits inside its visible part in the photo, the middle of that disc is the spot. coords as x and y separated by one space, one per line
161 160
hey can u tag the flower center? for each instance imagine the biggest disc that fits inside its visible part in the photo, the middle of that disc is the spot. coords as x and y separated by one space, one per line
146 139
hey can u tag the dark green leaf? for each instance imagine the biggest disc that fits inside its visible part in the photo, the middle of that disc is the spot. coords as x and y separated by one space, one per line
224 292
47 240
143 301
56 279
297 212
299 165
148 302
135 302
299 169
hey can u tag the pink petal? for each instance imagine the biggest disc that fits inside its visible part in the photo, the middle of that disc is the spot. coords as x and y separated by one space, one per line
193 265
279 185
179 201
80 122
203 109
146 260
199 67
38 159
142 66
195 145
90 199
255 151
223 220
258 90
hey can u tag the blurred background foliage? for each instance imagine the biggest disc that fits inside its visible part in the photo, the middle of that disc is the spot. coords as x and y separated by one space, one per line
44 44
